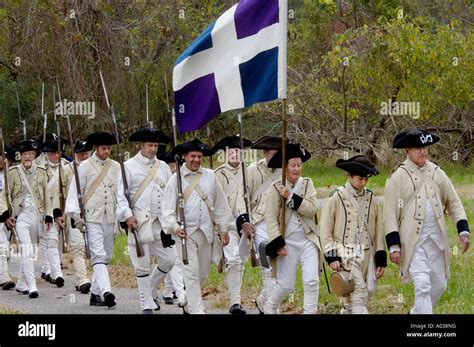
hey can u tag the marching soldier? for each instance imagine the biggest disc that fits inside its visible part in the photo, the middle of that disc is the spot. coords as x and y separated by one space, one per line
259 179
352 232
174 284
5 280
206 211
417 194
50 239
76 240
147 178
229 176
33 211
104 204
300 244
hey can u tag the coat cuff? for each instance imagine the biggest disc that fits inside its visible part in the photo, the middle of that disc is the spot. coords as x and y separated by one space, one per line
166 240
295 202
243 218
48 219
272 247
331 256
57 213
380 259
5 215
392 239
462 226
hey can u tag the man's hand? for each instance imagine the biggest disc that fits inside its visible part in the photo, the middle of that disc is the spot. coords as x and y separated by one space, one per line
79 223
132 222
282 252
10 222
335 265
225 238
464 242
283 191
180 233
59 222
395 257
379 272
248 229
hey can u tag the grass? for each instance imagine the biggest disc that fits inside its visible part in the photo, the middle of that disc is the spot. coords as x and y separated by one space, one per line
391 296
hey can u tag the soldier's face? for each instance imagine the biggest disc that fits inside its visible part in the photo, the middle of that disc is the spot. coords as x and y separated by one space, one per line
172 167
149 149
193 160
53 157
233 156
293 169
269 153
418 155
80 157
27 159
103 152
358 182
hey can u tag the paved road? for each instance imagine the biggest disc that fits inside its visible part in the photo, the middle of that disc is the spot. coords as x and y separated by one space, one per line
67 300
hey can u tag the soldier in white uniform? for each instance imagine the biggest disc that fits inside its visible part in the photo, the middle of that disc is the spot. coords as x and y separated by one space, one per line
352 232
205 206
104 205
229 176
417 195
50 240
5 280
33 211
174 283
76 239
147 177
300 244
259 179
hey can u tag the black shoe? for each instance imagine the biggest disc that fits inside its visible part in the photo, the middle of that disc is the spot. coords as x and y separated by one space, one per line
185 309
43 276
147 311
109 299
25 292
237 309
84 288
168 300
59 282
96 300
48 278
174 295
158 307
8 285
33 295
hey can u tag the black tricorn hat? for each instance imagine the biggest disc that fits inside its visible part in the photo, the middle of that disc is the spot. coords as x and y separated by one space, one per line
149 135
167 157
101 138
268 142
413 138
293 150
11 151
194 145
231 142
50 137
358 165
28 146
82 146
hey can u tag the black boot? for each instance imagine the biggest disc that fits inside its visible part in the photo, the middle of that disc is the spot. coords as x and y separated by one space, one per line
85 288
96 300
8 285
59 282
109 299
237 309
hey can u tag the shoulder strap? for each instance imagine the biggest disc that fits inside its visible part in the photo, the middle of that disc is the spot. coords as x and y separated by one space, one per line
263 187
205 198
145 183
93 187
189 189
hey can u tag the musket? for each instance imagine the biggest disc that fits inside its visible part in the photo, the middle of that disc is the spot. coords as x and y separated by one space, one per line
150 123
179 183
22 121
62 200
45 116
7 192
76 180
138 244
254 258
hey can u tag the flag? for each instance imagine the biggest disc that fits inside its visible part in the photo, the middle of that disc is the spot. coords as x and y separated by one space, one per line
239 60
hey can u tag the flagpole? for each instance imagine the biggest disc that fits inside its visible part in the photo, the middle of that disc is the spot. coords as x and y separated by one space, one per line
283 170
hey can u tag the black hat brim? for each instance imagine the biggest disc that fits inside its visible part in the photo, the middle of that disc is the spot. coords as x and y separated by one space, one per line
414 138
149 135
101 138
356 168
292 151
